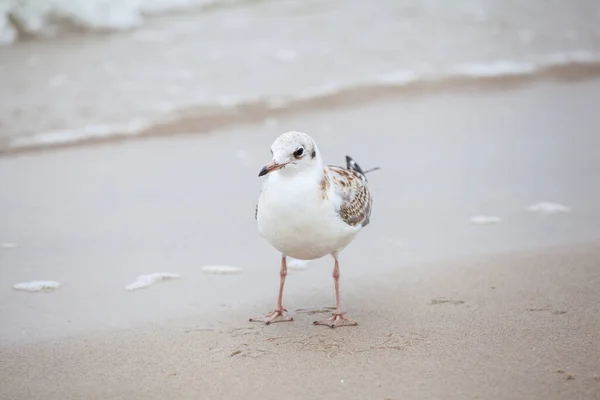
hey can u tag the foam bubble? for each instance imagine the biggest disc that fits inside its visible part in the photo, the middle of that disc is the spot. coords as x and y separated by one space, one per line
144 281
484 220
297 265
36 286
221 269
548 208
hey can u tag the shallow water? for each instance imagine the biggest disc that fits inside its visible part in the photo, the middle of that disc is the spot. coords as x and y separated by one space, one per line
270 55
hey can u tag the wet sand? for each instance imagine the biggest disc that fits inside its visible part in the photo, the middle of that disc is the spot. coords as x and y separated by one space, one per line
498 326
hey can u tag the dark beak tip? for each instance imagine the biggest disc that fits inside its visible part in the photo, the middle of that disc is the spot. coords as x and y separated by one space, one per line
263 171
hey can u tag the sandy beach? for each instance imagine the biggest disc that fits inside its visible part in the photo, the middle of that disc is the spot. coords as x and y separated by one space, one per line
447 308
131 136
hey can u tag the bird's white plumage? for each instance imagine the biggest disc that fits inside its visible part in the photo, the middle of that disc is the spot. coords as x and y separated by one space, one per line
307 210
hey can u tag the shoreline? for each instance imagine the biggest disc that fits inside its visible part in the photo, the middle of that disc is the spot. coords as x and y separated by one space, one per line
211 119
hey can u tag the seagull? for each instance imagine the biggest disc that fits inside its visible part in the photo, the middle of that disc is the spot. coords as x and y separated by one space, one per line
307 210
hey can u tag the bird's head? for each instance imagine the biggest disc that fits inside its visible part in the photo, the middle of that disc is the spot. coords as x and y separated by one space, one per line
293 152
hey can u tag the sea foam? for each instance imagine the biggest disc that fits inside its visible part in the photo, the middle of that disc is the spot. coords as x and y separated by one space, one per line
50 18
221 269
548 208
143 281
485 220
37 286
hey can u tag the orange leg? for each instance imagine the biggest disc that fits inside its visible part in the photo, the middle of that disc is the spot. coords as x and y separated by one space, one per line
279 314
337 319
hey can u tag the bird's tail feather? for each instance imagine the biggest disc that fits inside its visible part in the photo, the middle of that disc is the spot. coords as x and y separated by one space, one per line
353 166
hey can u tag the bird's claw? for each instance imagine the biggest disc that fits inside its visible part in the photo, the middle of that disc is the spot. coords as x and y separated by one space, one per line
278 315
336 320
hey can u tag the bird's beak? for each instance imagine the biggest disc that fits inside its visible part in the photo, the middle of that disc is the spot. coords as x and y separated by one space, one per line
272 166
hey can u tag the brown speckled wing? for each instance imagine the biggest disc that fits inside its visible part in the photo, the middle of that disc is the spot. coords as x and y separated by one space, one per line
355 203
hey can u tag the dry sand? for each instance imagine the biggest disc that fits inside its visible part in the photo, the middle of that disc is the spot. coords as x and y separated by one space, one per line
500 326
520 326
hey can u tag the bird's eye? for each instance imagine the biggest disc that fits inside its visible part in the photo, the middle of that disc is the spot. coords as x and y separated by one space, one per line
299 152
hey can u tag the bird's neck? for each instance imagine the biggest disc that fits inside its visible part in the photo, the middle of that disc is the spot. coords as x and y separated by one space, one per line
314 174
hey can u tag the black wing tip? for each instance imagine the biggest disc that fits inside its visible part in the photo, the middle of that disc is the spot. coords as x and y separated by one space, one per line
352 165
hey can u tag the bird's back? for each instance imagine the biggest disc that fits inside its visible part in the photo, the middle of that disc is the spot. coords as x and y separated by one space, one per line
351 194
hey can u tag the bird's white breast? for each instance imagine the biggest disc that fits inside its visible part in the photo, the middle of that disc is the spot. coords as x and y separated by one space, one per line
295 217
